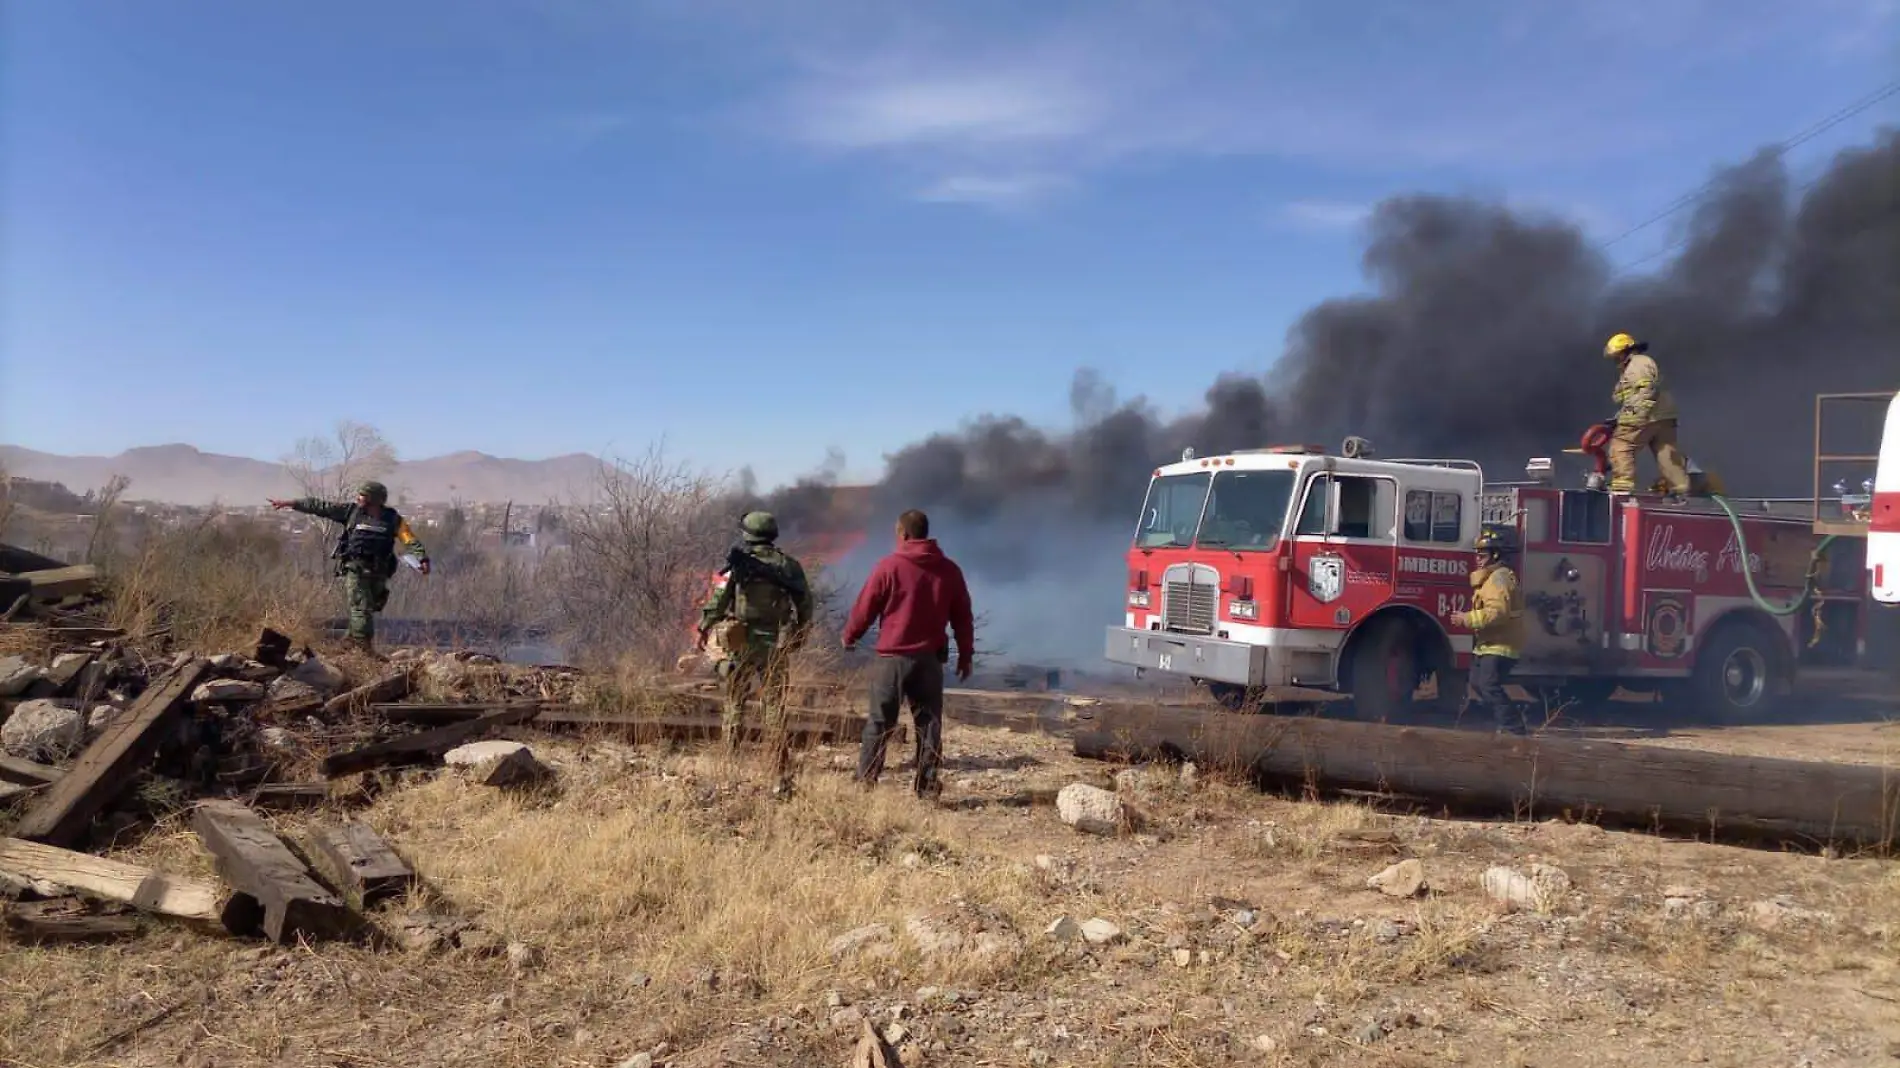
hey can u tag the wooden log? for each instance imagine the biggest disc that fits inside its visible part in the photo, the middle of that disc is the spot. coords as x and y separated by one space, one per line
26 773
107 766
412 748
64 920
119 882
1715 793
704 727
358 861
391 687
261 868
58 583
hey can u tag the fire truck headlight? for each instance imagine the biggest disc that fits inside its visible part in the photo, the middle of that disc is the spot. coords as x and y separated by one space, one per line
1137 598
1244 610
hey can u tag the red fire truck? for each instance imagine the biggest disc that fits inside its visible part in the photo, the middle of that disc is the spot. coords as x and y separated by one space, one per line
1288 567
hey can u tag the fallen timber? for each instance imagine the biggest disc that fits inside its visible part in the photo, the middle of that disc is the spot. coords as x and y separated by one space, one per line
1536 777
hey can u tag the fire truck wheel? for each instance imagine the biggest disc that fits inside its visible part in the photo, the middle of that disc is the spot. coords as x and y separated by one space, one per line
1738 673
1384 671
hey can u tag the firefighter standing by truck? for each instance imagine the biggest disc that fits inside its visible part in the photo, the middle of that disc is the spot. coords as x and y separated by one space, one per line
1496 621
1645 418
766 592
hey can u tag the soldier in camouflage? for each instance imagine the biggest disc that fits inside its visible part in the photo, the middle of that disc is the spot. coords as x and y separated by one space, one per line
365 552
766 591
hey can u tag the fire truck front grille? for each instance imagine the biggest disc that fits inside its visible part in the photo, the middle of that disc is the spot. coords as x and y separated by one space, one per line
1190 608
1190 598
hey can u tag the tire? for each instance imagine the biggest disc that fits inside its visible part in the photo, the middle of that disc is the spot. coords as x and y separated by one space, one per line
1384 671
1738 673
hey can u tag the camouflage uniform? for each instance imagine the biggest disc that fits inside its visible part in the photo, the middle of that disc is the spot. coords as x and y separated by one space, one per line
365 553
767 592
1645 418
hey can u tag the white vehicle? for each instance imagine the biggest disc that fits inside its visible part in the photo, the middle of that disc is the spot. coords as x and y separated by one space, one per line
1883 521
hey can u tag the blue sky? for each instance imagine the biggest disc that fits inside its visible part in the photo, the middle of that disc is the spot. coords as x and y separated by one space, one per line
763 230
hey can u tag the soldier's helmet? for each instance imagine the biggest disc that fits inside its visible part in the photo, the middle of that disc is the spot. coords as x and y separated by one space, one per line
375 491
759 527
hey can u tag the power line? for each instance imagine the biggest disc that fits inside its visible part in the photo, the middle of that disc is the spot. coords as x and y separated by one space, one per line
1702 192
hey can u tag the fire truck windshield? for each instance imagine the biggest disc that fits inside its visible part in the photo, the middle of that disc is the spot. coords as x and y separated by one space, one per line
1244 510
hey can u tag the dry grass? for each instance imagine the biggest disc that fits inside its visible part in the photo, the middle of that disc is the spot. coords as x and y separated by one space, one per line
210 586
670 903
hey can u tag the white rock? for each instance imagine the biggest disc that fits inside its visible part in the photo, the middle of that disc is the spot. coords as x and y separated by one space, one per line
1190 775
1101 932
319 676
475 754
226 661
43 730
933 935
1541 890
1063 929
69 662
497 763
1091 809
277 738
100 718
227 691
638 1060
1264 1043
16 675
1403 879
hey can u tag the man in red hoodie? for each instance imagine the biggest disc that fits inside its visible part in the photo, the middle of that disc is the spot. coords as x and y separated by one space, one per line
913 594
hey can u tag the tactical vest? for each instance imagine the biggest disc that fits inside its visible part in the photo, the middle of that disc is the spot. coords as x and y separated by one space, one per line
759 601
370 540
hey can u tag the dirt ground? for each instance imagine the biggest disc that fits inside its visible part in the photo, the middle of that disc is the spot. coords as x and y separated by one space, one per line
656 906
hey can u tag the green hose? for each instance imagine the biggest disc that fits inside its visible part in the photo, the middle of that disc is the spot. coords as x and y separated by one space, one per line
1814 566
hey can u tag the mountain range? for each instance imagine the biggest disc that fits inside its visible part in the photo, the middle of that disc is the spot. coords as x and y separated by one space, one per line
181 474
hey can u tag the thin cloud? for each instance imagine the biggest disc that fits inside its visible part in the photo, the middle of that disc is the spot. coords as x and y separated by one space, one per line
1324 214
995 191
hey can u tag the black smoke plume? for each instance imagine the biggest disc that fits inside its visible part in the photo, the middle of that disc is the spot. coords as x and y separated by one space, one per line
1481 339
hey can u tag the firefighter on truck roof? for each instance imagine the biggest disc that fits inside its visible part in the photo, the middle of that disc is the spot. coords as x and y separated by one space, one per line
1645 418
1496 620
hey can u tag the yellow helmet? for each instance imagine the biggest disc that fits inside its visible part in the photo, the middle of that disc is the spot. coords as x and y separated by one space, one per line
1617 346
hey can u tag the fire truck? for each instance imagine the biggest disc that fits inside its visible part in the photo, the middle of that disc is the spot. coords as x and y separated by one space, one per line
1288 568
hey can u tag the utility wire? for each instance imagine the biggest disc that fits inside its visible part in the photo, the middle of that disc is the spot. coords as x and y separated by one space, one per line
1703 191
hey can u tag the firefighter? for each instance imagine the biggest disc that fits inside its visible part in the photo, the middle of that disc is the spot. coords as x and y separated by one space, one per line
1496 621
1645 418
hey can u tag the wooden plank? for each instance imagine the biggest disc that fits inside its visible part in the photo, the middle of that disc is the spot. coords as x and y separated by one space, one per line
117 881
441 712
26 772
391 687
107 766
65 675
412 748
260 867
290 795
1537 776
57 583
64 920
357 860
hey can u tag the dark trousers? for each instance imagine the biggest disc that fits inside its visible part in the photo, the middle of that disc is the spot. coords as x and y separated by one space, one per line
918 681
1486 690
